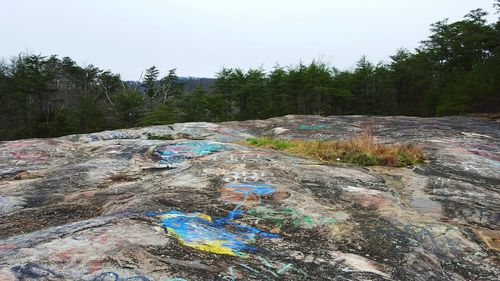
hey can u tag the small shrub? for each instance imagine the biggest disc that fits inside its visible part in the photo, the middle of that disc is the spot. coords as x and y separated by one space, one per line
359 158
162 137
389 160
405 158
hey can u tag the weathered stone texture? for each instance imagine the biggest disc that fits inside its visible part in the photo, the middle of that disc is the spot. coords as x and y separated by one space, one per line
186 202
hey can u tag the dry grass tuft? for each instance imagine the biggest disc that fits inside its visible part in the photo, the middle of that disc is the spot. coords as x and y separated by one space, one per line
362 150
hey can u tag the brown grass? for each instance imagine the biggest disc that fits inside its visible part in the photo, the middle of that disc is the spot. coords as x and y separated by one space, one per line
361 150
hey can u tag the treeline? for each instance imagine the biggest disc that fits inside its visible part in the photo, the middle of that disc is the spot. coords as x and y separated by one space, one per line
455 71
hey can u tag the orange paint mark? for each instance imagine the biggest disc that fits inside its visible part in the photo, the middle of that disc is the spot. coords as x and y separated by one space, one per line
237 196
230 195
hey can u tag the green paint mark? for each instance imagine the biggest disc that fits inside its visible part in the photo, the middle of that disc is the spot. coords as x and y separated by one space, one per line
326 220
284 268
314 127
265 262
231 272
272 272
281 217
307 220
249 268
301 271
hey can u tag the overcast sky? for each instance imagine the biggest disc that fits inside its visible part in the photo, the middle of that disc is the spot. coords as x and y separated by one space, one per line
198 37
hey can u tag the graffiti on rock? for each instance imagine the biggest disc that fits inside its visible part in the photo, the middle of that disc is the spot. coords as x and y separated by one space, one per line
248 176
219 235
35 271
269 270
486 154
314 127
240 193
212 234
484 150
32 151
239 156
288 216
177 152
35 156
23 144
113 276
112 135
224 134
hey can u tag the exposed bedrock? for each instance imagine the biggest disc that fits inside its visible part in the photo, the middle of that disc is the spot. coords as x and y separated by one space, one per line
191 202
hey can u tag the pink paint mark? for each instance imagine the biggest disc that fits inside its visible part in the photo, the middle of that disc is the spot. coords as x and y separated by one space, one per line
485 154
6 247
4 276
31 156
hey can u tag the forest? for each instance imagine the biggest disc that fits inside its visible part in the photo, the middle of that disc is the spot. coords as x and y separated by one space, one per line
456 70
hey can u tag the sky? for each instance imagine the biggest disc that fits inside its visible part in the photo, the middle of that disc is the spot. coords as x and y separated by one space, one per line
199 37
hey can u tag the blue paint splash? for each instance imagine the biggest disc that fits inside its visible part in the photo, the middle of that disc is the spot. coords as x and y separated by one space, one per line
178 152
219 235
212 234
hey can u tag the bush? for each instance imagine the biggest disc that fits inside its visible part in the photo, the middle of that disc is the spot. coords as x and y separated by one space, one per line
359 158
362 150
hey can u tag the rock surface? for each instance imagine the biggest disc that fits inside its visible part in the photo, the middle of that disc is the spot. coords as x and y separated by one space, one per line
185 202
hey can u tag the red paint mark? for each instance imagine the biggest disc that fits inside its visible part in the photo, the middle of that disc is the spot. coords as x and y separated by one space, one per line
65 256
120 244
21 144
103 238
94 265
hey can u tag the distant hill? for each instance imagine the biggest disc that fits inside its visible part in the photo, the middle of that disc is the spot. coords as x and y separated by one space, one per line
192 82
